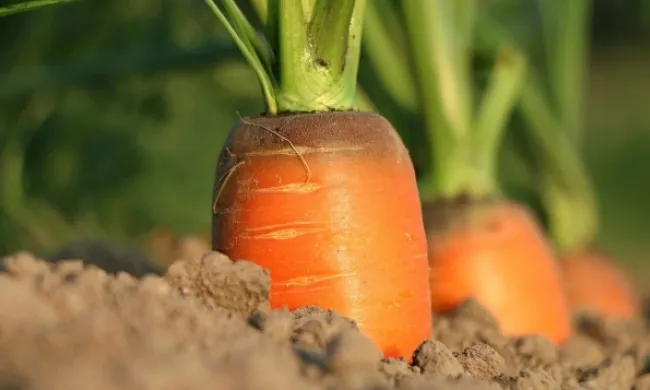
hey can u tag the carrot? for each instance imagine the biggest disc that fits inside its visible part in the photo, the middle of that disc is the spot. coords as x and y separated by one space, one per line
322 196
481 244
595 282
496 252
552 136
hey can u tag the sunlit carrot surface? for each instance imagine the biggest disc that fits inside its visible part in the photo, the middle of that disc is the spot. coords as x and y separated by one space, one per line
594 282
496 253
328 203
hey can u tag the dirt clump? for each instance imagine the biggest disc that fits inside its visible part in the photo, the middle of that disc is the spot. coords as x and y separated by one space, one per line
217 281
206 324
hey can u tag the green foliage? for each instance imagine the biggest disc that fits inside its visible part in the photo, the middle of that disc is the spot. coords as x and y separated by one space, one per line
90 141
30 5
112 115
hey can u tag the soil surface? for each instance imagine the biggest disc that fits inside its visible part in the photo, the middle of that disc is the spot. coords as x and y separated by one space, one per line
206 324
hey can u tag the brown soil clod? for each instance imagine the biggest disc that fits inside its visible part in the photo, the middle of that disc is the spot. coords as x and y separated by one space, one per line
217 281
207 325
435 359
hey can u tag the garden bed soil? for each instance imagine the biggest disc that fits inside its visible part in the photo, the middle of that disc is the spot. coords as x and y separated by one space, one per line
206 324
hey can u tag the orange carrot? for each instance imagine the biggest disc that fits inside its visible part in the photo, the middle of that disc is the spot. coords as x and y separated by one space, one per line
570 204
496 253
594 282
334 215
481 245
554 128
324 197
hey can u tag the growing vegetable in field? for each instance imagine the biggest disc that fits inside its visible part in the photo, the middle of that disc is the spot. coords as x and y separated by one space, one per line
554 127
481 244
322 196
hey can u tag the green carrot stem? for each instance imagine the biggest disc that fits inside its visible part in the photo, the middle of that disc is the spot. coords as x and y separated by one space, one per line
554 125
29 6
11 169
248 51
567 193
466 13
330 31
567 28
494 111
464 142
363 101
308 59
262 9
388 60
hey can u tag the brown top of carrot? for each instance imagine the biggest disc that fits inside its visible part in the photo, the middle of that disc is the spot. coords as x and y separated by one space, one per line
355 132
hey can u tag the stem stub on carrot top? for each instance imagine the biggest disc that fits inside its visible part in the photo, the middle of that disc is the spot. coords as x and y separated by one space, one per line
307 58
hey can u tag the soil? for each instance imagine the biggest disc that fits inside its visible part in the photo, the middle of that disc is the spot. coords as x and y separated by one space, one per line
206 324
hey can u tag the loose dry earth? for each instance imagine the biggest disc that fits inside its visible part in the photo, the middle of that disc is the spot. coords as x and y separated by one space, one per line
206 324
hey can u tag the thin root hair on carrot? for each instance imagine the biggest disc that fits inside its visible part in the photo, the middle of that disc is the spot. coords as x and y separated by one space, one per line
223 181
288 141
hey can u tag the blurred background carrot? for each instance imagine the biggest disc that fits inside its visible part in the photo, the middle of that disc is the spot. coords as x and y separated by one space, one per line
549 138
107 108
481 244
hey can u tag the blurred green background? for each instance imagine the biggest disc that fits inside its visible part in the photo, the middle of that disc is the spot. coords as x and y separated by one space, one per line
112 115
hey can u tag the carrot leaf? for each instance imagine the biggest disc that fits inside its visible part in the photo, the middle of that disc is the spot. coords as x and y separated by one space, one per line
567 58
248 34
551 109
464 127
566 190
262 9
267 13
388 60
29 6
247 49
496 106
